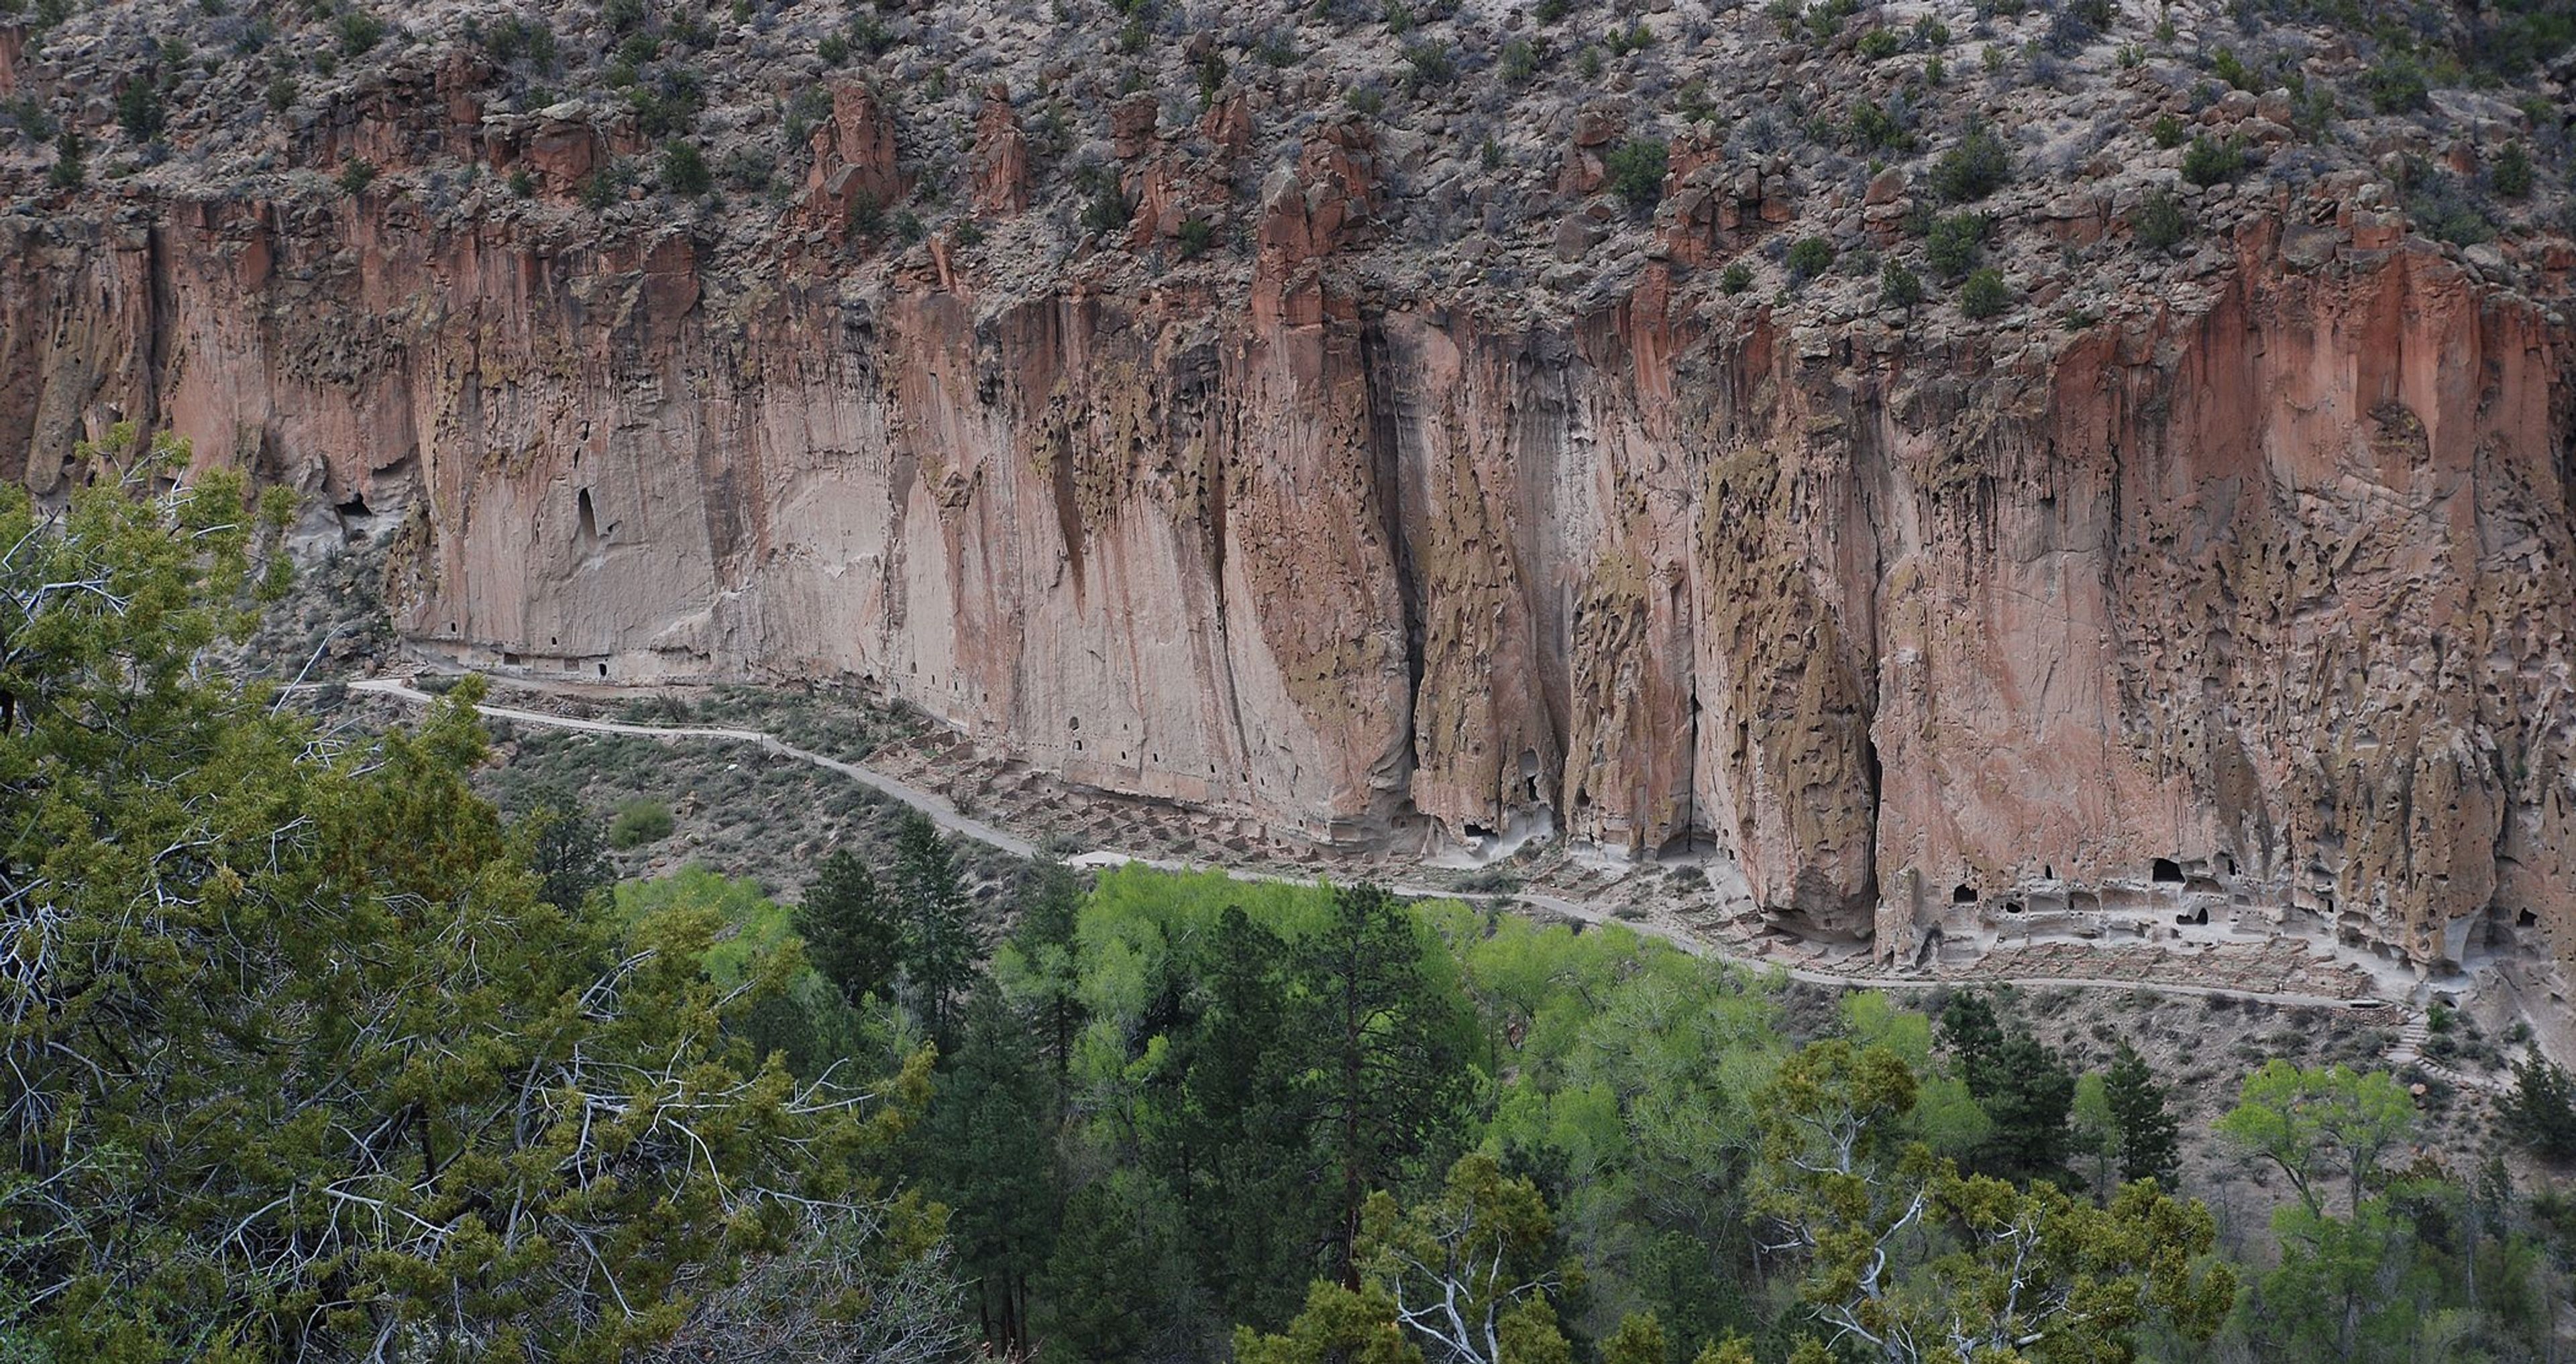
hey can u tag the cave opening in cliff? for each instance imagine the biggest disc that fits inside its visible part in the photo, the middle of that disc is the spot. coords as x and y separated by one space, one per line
2526 919
1963 895
2198 918
355 507
603 670
2166 872
588 515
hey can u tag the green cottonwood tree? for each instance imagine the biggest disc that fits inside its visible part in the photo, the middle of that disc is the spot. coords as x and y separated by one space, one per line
2313 1123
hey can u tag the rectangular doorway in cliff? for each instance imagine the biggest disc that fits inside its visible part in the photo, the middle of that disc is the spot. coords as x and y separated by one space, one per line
589 529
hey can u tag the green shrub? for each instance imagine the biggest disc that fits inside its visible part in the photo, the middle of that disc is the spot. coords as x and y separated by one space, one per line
522 184
2542 1108
1549 11
1196 235
28 114
1808 258
1984 295
1898 287
605 184
1976 167
513 38
867 214
1874 129
1879 45
2208 162
1637 169
834 49
356 174
2512 172
138 108
640 822
2168 132
1107 210
1636 38
359 32
281 92
1952 246
871 36
2444 208
684 170
1430 63
969 233
1365 99
1736 278
71 162
2160 223
669 105
2396 84
2231 69
1520 61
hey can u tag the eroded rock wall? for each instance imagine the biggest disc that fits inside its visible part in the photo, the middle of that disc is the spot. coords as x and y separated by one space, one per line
2274 588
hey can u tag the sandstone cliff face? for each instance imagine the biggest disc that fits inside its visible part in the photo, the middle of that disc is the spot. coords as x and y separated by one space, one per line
2264 591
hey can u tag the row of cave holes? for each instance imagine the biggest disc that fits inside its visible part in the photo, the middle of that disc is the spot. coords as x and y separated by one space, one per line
2163 871
1074 722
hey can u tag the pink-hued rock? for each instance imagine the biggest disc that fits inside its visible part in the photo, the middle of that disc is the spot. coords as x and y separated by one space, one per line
2271 582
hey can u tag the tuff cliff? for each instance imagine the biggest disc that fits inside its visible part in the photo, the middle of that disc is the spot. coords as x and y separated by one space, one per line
1395 474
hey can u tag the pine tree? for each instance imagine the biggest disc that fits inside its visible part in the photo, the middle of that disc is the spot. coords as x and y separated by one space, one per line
1390 1076
850 933
2024 1086
567 852
991 1143
1046 953
1109 1288
2150 1143
1239 1142
938 943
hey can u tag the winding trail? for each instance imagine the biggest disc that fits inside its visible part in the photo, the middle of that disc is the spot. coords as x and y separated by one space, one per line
949 817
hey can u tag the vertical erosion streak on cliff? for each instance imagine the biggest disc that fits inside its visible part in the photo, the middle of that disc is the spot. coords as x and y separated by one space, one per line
1386 405
1873 478
157 309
